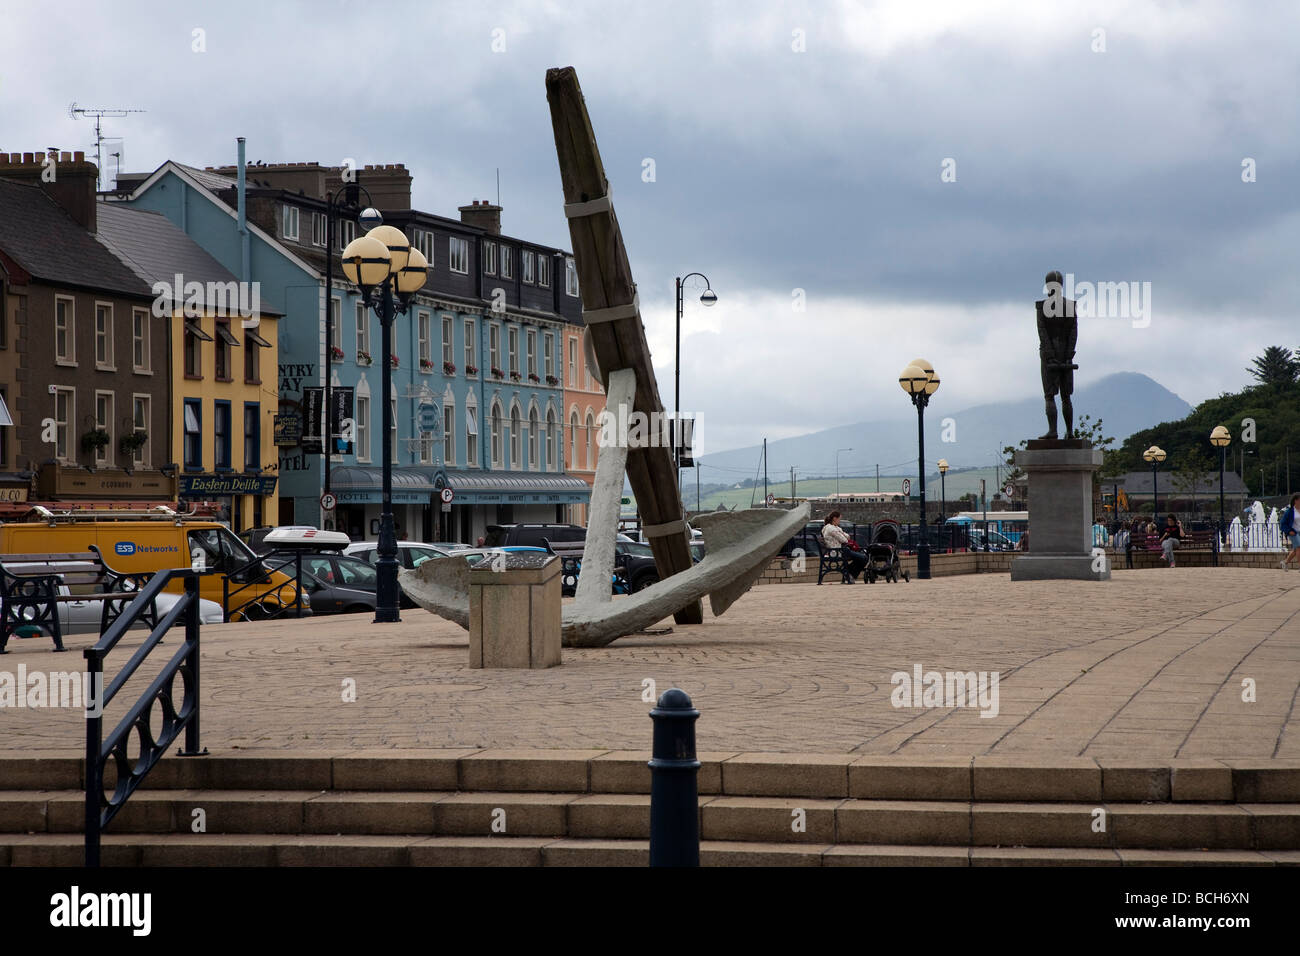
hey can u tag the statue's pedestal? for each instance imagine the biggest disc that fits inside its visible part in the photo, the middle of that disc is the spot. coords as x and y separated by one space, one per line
1060 513
514 611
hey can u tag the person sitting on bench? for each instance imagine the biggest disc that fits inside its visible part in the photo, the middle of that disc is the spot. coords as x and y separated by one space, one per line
854 559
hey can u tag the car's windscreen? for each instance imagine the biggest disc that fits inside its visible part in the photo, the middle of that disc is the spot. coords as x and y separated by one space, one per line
357 574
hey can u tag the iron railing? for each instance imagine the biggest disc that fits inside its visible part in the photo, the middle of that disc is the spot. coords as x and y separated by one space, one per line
138 719
270 602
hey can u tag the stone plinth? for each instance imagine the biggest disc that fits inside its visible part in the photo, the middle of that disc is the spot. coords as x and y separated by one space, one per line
514 611
1060 513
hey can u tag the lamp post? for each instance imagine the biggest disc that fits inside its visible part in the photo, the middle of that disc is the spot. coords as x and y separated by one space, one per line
1155 454
919 381
709 298
389 273
837 469
943 494
1220 439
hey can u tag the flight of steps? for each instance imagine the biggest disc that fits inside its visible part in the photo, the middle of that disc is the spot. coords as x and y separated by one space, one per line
592 808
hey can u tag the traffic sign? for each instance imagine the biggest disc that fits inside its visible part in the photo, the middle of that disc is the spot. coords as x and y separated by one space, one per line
1009 490
771 499
328 502
447 495
907 486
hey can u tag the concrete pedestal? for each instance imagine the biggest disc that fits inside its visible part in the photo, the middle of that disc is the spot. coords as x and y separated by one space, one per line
1060 514
514 611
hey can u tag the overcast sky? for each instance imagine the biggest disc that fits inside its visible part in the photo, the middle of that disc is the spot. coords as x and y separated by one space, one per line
794 147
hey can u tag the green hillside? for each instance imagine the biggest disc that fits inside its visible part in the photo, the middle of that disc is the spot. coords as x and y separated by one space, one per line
1275 410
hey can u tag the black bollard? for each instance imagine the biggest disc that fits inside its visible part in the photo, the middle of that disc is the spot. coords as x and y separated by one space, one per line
674 790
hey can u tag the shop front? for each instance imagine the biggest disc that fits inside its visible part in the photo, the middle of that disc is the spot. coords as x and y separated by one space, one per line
482 498
62 487
359 491
239 501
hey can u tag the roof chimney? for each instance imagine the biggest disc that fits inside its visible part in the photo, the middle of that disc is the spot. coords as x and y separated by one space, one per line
482 214
67 178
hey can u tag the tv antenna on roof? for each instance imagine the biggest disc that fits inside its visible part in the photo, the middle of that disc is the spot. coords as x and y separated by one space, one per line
76 112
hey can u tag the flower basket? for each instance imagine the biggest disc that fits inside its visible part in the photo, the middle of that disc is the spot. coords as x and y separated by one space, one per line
336 353
393 362
471 369
497 373
516 377
552 380
533 377
363 358
426 365
95 439
132 441
448 368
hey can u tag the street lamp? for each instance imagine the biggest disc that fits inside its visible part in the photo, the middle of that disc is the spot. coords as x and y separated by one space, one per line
1155 454
336 202
1220 438
919 381
708 298
837 469
943 494
383 264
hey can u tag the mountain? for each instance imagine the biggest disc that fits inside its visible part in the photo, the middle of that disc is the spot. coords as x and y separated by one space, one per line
1125 402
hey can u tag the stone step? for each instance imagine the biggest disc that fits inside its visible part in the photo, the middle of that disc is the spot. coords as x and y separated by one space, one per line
185 849
774 821
982 779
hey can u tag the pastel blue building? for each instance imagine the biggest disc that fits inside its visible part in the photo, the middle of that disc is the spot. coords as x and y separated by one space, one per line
477 360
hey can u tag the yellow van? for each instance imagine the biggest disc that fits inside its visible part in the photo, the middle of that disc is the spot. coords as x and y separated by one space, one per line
156 542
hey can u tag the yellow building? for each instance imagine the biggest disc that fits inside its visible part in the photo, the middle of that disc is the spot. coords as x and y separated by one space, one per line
224 351
224 401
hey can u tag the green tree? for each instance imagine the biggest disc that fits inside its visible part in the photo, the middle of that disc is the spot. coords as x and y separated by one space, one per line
1277 366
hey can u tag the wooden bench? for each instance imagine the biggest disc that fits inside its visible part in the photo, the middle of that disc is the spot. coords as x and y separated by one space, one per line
32 586
1192 541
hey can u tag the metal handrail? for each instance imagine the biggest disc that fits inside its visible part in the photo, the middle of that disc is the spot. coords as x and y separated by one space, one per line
260 573
185 662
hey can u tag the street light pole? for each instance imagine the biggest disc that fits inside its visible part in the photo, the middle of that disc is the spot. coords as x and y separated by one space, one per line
920 381
383 263
1220 437
709 298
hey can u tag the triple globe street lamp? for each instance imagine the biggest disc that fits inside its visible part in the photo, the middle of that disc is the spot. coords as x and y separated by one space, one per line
389 271
919 381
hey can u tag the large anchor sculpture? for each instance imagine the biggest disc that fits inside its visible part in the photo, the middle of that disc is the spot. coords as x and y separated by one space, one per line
740 544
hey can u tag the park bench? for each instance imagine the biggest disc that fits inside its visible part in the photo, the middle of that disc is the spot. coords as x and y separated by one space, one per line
1192 541
832 560
33 586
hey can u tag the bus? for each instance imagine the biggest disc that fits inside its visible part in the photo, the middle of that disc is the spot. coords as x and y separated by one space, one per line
1009 524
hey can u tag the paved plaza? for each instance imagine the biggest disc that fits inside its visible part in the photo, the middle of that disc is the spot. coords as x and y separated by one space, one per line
1149 665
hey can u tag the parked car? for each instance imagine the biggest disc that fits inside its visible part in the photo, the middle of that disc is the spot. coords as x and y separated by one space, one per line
342 584
410 554
255 538
532 535
85 617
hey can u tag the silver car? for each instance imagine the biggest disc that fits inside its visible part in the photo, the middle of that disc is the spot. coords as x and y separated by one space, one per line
84 617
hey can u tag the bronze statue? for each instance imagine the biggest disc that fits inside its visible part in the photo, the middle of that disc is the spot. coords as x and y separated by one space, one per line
1058 329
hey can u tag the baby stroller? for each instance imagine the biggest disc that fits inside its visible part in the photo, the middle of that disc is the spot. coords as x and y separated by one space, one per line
882 554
